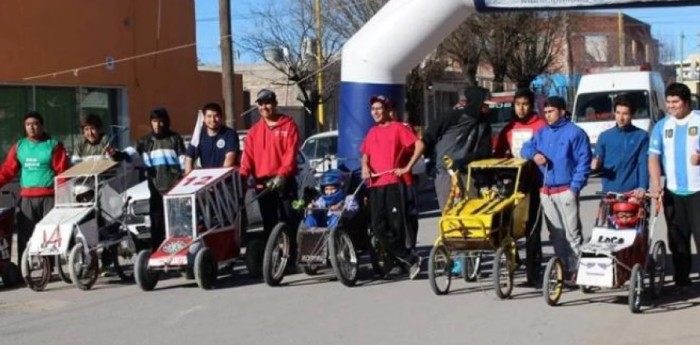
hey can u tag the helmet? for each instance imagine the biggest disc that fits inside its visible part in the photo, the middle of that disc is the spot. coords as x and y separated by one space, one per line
332 177
83 193
625 214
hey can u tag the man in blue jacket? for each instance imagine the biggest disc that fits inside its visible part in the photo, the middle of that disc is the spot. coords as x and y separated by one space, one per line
621 153
562 152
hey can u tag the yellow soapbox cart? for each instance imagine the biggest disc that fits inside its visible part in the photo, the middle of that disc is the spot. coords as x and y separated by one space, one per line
487 212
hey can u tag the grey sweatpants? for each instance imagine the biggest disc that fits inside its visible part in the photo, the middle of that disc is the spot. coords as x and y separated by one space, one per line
563 221
31 211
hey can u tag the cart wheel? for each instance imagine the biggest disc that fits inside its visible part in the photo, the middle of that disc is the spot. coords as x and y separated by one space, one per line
311 270
380 259
503 273
636 288
440 270
343 257
83 269
587 289
206 269
255 251
145 278
62 268
36 270
657 268
276 256
10 274
471 266
123 262
553 282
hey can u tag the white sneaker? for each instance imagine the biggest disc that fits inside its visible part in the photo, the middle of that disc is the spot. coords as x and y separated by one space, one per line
415 268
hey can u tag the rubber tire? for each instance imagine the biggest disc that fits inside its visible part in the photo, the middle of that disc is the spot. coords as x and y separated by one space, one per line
11 275
381 261
348 279
636 289
503 292
548 289
145 278
92 270
433 270
270 277
254 256
65 276
471 266
40 284
657 272
124 275
311 270
206 269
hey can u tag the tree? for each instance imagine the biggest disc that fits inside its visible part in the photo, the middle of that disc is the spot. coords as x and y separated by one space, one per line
537 46
498 33
464 47
287 28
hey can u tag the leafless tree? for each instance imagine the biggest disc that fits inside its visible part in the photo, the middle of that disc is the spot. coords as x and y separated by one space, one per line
537 46
464 47
289 28
498 33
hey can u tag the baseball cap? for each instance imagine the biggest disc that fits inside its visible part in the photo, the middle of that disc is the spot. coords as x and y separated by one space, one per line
265 95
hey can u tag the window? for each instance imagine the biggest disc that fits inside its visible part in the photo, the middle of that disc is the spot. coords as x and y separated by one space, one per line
179 213
14 103
596 48
591 107
320 147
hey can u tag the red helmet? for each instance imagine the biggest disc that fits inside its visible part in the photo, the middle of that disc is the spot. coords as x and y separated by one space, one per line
625 214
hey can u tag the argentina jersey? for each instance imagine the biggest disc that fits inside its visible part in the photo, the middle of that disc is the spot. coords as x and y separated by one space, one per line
675 141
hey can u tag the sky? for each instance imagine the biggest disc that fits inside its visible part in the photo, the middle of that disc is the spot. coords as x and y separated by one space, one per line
667 24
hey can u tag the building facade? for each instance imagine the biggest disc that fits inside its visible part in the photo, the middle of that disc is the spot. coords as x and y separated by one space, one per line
69 58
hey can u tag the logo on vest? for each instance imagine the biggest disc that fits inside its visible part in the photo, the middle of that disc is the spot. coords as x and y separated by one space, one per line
221 143
693 131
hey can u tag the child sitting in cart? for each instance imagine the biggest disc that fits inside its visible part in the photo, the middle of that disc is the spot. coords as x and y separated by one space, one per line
326 210
625 214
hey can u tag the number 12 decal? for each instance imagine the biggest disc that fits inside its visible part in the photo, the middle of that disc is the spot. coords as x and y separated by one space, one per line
196 180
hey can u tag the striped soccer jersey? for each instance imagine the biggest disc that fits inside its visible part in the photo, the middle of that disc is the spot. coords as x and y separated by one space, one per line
675 141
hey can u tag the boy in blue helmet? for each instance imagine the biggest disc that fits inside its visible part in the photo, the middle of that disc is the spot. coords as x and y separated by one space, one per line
333 198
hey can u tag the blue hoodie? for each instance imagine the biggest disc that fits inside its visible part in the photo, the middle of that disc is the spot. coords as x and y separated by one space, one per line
623 154
568 152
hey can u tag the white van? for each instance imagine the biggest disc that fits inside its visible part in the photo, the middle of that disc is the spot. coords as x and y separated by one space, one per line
593 108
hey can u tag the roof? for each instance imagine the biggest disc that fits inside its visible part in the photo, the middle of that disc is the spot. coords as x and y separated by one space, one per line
494 163
198 179
91 167
324 135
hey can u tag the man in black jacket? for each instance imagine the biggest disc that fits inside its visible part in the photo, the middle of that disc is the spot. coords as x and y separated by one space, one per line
464 135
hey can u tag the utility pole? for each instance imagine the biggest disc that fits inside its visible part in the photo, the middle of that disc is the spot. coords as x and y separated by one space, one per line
621 37
319 64
226 62
682 58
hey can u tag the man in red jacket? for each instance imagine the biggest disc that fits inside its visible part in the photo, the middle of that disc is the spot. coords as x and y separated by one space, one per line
523 127
269 158
37 158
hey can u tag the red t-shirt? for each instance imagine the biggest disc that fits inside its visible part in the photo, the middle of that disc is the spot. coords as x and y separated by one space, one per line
386 147
514 134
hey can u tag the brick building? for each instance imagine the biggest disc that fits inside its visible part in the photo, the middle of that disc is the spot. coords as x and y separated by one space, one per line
45 47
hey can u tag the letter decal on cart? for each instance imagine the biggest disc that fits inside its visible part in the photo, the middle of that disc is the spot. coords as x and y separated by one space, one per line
53 241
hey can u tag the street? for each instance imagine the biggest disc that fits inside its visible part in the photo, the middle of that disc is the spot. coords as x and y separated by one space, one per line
316 310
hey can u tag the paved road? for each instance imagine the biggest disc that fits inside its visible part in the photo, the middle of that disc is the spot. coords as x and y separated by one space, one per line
319 311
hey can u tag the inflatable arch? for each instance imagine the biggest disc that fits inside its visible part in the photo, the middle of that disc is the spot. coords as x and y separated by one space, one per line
378 57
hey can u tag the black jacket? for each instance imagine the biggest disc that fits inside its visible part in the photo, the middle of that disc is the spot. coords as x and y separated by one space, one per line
464 134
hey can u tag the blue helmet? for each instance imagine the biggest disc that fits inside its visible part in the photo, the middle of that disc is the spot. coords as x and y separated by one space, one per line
332 177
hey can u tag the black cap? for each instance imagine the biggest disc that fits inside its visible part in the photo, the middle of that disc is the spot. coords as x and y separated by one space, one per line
556 102
266 95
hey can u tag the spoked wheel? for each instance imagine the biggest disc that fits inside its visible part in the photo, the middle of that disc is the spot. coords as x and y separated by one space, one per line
206 269
11 275
145 277
62 268
83 269
254 254
36 270
471 266
503 269
277 253
553 282
381 261
636 289
123 262
657 268
440 270
343 257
